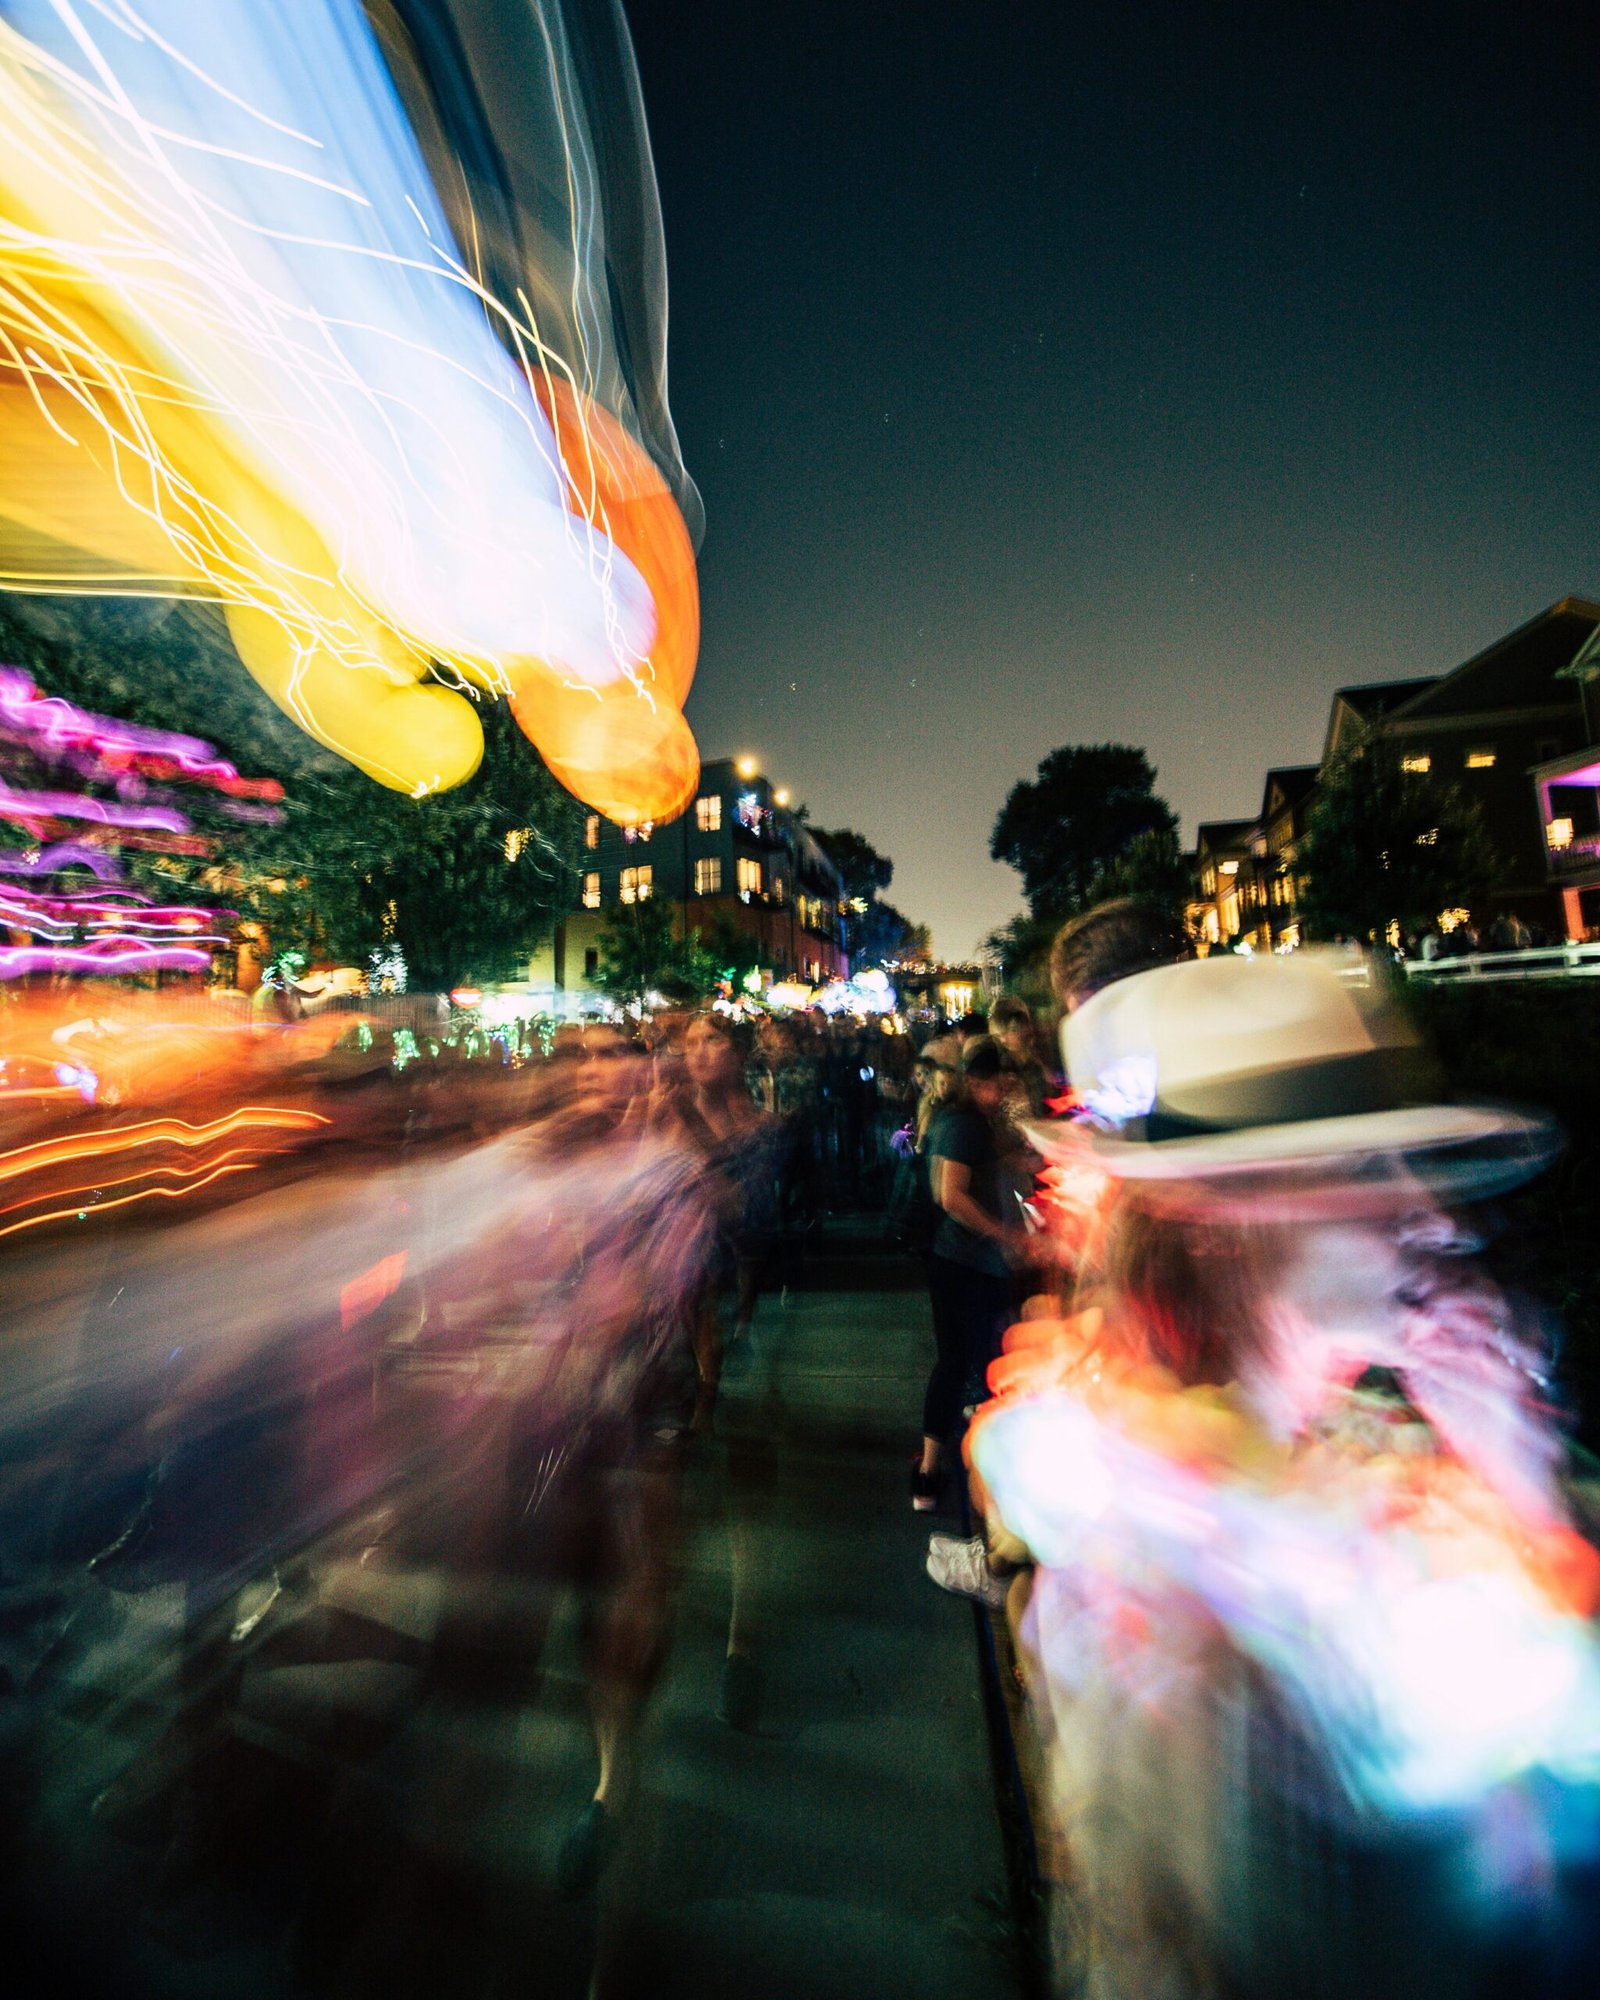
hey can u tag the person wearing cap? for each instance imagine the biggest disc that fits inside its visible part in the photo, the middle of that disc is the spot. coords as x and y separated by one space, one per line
1286 1609
975 1171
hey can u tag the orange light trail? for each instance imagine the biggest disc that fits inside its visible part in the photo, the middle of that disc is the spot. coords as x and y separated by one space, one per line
156 1131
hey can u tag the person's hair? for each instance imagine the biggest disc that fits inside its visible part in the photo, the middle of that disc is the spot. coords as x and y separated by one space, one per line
1111 942
1189 1296
942 1094
1009 1011
984 1057
971 1024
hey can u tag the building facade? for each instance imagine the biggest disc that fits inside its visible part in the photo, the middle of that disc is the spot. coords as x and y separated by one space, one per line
1507 714
738 852
1514 728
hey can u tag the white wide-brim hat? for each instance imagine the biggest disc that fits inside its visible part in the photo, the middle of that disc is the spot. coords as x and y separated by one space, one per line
1254 1066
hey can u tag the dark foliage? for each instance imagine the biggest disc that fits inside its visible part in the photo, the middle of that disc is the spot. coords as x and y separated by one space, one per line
466 884
1386 845
1064 828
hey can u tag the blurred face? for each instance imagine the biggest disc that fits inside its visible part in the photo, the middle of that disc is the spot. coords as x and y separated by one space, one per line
1014 1036
709 1056
988 1093
1346 1297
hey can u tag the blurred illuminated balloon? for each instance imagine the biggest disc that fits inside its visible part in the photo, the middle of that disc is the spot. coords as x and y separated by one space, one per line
353 321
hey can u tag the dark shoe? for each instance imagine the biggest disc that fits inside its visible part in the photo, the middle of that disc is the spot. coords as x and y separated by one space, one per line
739 1699
924 1488
585 1853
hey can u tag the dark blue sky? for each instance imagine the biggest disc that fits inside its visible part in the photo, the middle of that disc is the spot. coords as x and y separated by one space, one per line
1059 375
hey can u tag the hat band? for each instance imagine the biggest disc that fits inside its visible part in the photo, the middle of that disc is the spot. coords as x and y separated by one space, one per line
1347 1086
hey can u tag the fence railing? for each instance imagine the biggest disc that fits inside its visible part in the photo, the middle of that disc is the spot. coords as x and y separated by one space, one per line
1557 961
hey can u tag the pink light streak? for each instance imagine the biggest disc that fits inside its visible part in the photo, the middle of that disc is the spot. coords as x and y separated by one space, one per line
61 727
29 806
18 962
67 854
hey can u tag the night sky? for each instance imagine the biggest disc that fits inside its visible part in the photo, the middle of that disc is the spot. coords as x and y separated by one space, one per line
1056 374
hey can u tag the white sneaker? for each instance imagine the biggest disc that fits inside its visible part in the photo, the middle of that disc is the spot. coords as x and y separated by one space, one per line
963 1567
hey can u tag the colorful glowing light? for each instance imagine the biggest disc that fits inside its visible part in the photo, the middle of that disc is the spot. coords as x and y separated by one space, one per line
246 354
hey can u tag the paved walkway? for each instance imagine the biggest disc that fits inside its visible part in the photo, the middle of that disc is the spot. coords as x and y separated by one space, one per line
848 1845
852 1847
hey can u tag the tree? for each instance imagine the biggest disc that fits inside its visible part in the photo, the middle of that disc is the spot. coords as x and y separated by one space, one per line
1064 827
874 931
862 869
641 953
884 935
1151 869
1384 845
465 883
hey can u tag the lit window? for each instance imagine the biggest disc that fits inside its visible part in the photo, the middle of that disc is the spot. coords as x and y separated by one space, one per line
708 876
1430 838
1230 867
1419 763
1480 760
516 841
591 831
780 888
637 884
708 813
591 891
1559 833
749 876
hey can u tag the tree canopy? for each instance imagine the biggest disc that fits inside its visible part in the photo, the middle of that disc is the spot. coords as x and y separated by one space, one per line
465 883
863 870
1386 845
877 931
642 953
1065 827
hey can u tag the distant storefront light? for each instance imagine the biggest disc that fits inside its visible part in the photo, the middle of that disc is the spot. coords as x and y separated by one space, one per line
1558 834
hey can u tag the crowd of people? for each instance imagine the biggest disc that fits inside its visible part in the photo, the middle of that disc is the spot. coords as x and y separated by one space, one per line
449 1333
1262 1476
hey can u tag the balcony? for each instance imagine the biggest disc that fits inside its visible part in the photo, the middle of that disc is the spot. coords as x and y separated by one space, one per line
1579 854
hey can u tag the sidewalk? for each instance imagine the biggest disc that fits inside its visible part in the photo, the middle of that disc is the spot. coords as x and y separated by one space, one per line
848 1845
852 1846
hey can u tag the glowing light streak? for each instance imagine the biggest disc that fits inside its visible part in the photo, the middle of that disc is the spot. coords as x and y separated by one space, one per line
46 1153
206 1175
20 960
235 1158
288 397
59 726
65 854
27 806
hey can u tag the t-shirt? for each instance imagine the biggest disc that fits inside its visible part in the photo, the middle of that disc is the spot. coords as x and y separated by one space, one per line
966 1136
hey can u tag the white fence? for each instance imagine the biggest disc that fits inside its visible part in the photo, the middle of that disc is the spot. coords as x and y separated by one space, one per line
1557 961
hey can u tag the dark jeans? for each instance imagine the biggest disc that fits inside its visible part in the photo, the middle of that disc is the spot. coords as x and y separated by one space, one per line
971 1311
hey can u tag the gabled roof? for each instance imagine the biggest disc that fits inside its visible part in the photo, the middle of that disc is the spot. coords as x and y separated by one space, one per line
1355 709
1221 834
1518 671
1375 698
1291 782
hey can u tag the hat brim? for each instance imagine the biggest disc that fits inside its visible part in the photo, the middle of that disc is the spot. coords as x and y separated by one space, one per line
1477 1149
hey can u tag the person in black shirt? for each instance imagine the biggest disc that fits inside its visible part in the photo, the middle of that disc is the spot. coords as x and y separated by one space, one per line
976 1172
